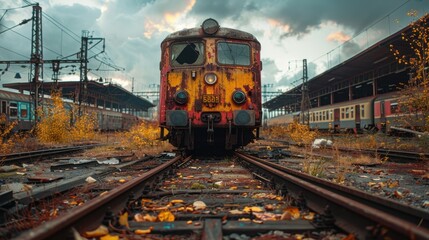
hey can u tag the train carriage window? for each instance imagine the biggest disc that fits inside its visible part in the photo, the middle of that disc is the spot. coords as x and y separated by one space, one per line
362 111
233 53
347 112
330 115
352 115
24 110
342 113
13 109
184 54
394 107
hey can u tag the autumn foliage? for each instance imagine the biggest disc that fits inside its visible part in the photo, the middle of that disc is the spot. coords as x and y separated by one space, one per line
297 132
142 135
56 125
6 127
414 100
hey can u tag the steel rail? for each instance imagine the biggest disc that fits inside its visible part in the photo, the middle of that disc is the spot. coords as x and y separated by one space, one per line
350 214
91 214
16 157
406 212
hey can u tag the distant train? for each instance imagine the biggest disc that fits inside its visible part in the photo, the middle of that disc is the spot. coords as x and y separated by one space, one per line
369 113
210 94
18 108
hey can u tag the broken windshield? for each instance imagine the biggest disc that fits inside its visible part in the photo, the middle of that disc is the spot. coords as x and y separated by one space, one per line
233 53
184 54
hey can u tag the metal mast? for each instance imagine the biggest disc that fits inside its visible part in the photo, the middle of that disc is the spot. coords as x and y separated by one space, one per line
36 58
305 99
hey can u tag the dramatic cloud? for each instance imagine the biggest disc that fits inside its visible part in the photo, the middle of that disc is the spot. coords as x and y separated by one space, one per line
288 30
339 37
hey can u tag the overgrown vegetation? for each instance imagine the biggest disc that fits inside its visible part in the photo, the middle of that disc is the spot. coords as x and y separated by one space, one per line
299 133
145 134
414 95
6 128
56 125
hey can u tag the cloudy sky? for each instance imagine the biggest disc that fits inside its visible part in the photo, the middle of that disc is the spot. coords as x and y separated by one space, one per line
323 32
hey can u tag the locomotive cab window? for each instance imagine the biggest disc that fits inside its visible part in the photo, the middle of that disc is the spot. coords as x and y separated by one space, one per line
233 53
185 54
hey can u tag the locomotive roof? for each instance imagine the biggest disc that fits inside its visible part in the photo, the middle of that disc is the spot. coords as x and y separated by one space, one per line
221 33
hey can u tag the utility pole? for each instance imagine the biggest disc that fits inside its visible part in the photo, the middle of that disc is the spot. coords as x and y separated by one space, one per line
36 58
305 98
83 83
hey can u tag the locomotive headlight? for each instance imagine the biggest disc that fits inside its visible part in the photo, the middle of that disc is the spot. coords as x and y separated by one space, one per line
210 26
210 78
239 97
181 97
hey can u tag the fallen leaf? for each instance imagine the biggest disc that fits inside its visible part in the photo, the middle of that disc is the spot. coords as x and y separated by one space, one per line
309 216
109 237
90 180
398 194
294 212
143 231
166 216
103 193
393 184
257 221
122 180
99 232
174 201
269 207
138 217
235 211
286 216
253 209
370 184
233 188
123 220
199 205
244 219
189 222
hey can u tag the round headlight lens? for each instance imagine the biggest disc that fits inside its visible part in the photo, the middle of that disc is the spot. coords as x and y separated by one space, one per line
239 97
210 78
181 97
210 26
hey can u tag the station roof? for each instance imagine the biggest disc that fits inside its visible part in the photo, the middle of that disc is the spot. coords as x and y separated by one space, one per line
373 57
110 93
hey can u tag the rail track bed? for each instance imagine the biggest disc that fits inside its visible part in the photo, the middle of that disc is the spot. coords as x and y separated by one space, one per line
229 197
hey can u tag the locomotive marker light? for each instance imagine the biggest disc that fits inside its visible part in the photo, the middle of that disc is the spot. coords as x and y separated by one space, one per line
210 26
210 78
239 97
181 97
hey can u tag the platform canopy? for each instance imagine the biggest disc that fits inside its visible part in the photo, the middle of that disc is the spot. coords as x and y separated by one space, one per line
373 60
101 94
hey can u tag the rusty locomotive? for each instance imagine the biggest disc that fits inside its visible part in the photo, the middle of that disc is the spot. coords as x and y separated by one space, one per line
210 95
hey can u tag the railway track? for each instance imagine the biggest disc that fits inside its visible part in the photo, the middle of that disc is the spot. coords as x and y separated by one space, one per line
31 155
353 210
207 199
379 152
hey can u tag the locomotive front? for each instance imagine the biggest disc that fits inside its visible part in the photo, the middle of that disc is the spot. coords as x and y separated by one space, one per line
210 87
